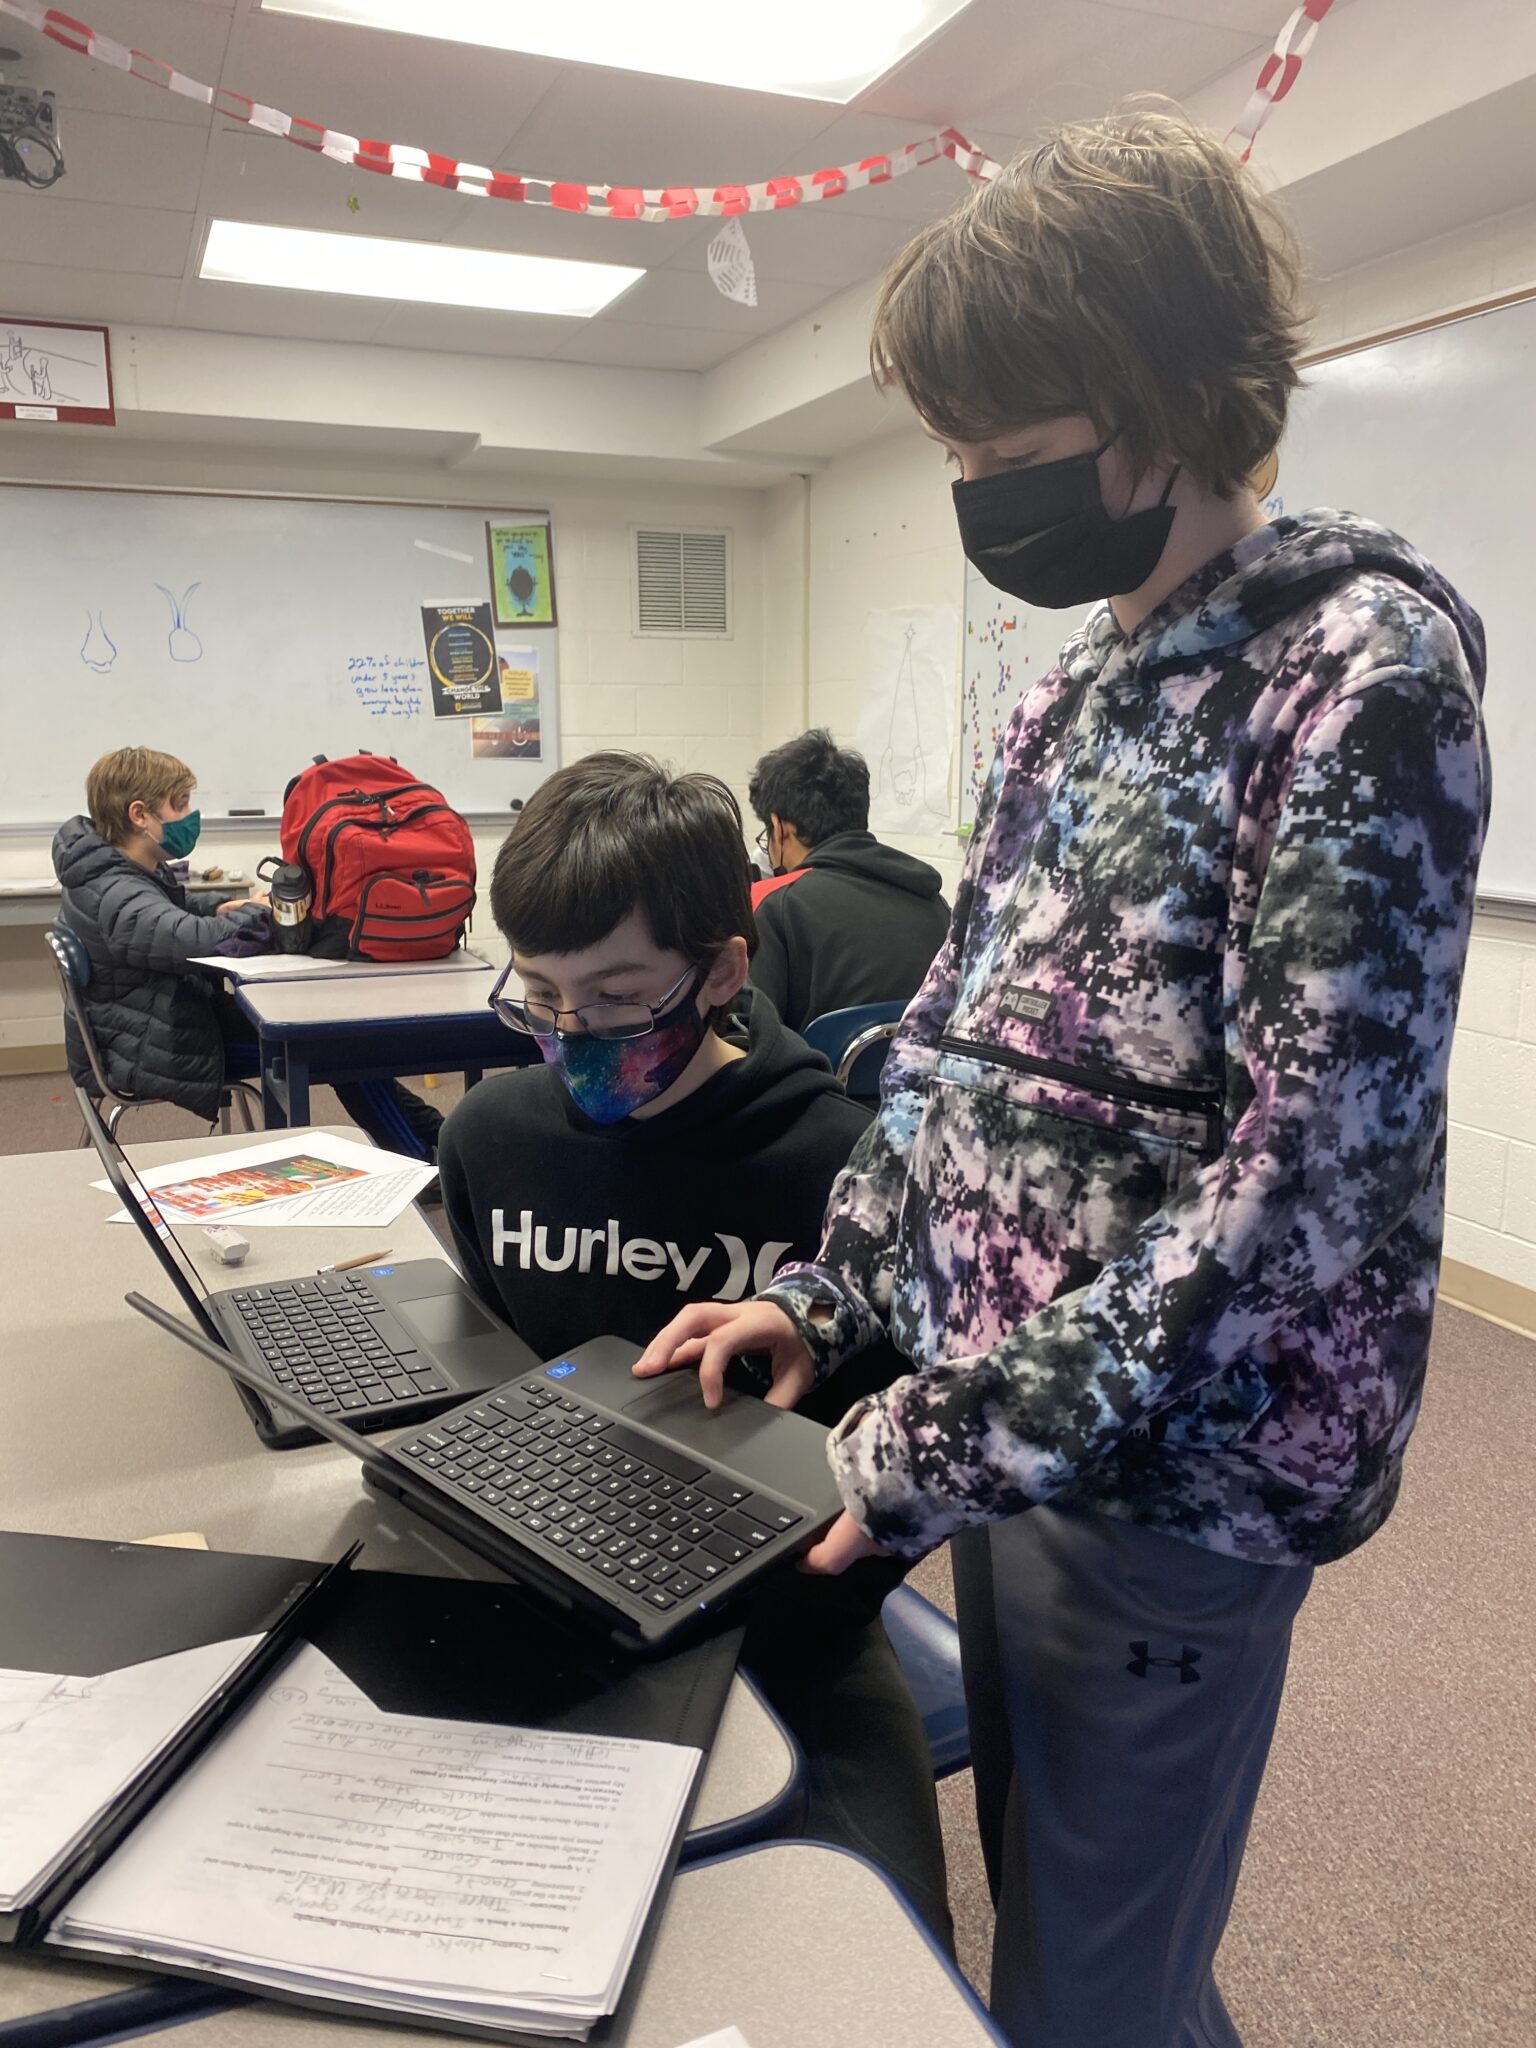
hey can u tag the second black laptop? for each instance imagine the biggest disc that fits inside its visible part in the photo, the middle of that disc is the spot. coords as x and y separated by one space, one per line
390 1344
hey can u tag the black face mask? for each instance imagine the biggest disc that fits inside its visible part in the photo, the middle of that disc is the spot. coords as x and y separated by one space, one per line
1043 534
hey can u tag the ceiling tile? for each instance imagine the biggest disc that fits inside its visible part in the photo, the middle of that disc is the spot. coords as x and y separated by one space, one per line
994 70
610 127
549 231
129 160
472 330
252 176
1255 17
634 346
106 296
85 234
446 97
818 244
289 316
191 37
686 298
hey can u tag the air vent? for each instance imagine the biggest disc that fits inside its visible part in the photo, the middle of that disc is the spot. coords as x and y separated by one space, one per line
682 583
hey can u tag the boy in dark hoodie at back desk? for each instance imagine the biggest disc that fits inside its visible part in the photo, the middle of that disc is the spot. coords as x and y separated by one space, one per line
679 1145
843 919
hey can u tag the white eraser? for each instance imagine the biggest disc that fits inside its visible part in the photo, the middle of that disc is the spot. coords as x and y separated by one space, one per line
229 1247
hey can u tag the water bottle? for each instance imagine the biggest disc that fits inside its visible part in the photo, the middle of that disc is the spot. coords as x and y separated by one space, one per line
293 895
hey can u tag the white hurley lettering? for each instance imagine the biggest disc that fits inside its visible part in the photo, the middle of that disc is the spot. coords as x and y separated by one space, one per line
643 1258
563 1248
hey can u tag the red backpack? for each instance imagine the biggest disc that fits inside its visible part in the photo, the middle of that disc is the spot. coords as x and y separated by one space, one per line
391 861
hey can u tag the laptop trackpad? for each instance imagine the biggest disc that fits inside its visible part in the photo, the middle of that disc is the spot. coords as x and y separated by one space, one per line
676 1407
445 1318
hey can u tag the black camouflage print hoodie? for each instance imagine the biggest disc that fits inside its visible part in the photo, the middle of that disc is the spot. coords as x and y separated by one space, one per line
1155 1197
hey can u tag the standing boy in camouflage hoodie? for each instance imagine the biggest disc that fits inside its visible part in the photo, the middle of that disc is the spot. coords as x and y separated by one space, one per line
1154 1200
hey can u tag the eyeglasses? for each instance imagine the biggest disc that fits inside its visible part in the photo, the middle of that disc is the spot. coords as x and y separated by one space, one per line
597 1020
762 840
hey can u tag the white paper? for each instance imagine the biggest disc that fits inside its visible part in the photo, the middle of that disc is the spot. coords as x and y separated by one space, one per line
377 1185
306 967
729 257
70 1745
723 2037
447 1867
906 716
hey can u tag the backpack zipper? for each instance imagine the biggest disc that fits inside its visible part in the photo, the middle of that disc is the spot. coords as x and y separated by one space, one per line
323 892
349 796
1206 1102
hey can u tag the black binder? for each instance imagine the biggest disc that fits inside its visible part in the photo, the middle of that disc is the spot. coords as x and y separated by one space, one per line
448 1648
81 1608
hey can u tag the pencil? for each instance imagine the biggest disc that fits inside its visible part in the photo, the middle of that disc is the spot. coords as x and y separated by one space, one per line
362 1259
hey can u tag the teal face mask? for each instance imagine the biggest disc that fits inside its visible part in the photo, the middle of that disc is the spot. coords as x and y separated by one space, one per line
178 836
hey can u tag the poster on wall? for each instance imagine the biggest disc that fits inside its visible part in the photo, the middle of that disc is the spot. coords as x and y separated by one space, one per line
517 734
461 659
522 574
52 370
906 716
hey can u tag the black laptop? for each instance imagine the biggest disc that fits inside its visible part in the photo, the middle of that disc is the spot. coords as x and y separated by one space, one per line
389 1344
628 1503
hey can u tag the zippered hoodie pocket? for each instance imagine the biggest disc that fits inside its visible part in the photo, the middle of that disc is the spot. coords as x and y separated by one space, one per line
1026 1177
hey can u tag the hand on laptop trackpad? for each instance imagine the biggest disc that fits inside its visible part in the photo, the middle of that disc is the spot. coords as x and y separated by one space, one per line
676 1406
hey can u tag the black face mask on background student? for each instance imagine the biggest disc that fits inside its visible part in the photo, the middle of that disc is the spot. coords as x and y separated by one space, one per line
1043 535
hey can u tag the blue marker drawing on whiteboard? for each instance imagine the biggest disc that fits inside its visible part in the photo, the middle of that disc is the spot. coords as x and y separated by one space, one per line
183 644
97 649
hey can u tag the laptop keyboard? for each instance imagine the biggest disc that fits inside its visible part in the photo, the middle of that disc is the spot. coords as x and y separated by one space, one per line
643 1519
333 1341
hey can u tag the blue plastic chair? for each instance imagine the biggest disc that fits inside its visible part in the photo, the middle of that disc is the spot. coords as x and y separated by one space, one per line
927 1646
854 1043
72 966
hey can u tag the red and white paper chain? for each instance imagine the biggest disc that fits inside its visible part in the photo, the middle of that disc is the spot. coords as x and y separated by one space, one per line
1278 74
616 202
424 166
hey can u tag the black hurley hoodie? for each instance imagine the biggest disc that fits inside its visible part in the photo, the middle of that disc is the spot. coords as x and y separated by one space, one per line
570 1229
859 923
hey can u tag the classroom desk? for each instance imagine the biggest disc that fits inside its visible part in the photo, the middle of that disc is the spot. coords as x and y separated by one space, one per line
796 1944
374 1028
114 1430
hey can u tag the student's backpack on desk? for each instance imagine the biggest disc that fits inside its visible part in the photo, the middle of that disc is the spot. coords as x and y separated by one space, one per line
392 862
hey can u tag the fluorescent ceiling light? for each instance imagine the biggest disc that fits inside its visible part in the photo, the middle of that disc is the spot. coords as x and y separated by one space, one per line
815 49
373 267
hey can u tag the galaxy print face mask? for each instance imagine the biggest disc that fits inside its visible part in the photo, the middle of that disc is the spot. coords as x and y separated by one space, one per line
610 1078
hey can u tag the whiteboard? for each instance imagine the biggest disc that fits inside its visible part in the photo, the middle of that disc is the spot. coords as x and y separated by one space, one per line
302 635
1434 434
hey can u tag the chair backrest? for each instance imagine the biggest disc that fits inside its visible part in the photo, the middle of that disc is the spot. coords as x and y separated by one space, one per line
72 966
854 1043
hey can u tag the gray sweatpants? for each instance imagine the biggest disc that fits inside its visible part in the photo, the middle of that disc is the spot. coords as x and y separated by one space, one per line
1122 1689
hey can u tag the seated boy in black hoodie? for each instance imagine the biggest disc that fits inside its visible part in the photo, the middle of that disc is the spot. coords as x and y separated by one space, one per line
655 1160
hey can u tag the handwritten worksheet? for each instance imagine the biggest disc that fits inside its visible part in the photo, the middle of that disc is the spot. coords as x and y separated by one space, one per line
450 1868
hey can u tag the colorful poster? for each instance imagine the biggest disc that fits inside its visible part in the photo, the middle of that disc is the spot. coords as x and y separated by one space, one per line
522 574
223 1194
461 659
515 736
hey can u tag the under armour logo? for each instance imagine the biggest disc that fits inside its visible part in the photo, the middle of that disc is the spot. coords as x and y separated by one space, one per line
1142 1662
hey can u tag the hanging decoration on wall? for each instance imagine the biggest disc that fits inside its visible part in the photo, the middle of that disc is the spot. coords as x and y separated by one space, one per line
730 264
618 202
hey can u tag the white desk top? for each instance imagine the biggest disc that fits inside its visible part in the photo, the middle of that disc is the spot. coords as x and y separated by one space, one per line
795 1944
112 1429
366 999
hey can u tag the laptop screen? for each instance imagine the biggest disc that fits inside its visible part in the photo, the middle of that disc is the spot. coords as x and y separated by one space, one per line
144 1213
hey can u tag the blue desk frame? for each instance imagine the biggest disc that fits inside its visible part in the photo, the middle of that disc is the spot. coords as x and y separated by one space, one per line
297 1057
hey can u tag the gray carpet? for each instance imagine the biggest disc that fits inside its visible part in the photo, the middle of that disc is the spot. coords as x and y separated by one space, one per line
1389 1894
